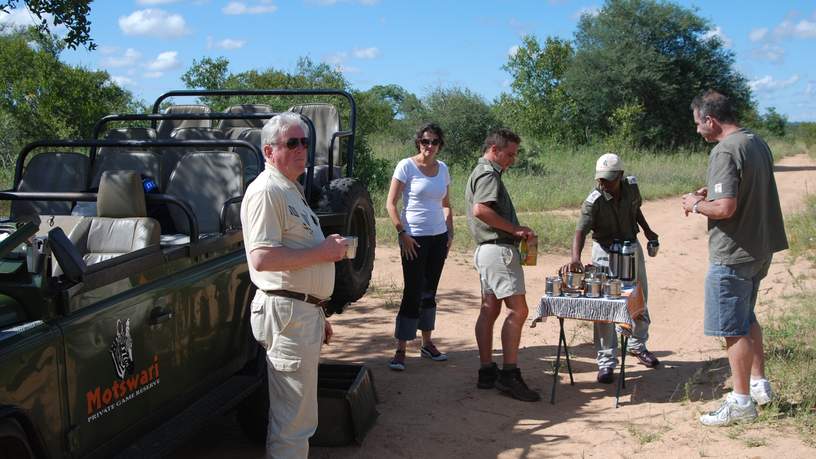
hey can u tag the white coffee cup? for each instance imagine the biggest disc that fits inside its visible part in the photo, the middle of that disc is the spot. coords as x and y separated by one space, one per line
351 246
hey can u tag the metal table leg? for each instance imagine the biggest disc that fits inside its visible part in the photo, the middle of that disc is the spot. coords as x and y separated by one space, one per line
622 379
557 364
563 338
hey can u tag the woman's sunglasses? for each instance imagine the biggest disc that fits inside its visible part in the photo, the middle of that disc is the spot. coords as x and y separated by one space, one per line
293 142
426 142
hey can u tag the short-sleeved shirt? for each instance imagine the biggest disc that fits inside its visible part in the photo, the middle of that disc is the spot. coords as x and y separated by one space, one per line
609 219
485 186
274 213
741 167
422 196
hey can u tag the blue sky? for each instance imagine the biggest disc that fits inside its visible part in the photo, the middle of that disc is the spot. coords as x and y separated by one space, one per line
147 44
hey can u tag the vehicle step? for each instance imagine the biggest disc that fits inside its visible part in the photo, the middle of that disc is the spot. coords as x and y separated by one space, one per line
162 441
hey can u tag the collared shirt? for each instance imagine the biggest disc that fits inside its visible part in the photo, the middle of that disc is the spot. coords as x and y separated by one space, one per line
274 213
741 167
609 219
485 186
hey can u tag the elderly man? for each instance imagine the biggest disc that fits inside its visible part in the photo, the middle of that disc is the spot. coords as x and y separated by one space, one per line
610 212
495 228
293 267
745 228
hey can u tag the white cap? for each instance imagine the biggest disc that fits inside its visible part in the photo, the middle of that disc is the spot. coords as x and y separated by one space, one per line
608 166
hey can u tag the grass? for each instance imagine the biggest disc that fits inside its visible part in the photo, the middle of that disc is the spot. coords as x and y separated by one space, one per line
643 435
802 231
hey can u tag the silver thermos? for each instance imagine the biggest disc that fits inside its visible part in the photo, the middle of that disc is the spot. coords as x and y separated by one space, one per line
628 262
614 259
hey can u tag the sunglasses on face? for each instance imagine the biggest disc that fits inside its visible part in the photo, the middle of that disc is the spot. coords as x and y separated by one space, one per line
426 142
292 142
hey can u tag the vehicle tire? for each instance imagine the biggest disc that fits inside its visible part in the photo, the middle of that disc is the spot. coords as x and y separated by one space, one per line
253 414
13 441
351 277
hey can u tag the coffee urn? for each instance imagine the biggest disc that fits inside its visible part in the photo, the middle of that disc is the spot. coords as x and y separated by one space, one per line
628 262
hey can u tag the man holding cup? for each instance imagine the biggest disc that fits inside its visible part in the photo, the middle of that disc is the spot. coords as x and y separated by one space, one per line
292 265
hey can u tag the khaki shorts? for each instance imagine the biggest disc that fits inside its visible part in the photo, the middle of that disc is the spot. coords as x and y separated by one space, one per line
499 267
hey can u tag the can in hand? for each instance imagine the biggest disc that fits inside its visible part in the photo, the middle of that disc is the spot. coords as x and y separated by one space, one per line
652 247
528 249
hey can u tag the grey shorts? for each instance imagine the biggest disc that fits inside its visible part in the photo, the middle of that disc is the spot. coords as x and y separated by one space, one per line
730 297
499 267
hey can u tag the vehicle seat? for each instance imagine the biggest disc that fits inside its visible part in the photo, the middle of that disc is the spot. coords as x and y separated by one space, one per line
166 127
206 180
253 165
224 125
326 122
147 163
122 226
52 172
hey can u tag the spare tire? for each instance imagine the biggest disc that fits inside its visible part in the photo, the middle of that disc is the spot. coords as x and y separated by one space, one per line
349 197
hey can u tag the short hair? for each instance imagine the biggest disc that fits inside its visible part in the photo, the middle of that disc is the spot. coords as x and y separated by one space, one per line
500 138
279 124
716 105
433 128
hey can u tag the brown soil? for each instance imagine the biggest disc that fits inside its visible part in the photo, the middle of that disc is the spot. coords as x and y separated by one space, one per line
434 409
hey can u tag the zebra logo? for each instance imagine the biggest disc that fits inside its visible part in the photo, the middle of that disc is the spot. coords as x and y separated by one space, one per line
122 349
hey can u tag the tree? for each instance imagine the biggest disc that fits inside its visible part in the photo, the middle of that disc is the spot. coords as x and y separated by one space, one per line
650 54
73 14
774 122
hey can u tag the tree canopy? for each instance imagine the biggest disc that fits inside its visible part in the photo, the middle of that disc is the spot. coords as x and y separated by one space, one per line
73 14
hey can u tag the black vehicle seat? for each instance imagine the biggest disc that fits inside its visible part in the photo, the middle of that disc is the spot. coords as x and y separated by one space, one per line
253 165
166 127
224 125
205 180
326 122
52 172
122 225
172 155
147 163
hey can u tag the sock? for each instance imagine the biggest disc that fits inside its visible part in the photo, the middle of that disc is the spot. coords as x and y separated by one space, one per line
741 399
509 366
488 365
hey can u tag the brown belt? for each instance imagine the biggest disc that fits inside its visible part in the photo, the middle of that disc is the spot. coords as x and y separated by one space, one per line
298 296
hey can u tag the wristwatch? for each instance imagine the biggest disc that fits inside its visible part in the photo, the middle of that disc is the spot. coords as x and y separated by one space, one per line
694 207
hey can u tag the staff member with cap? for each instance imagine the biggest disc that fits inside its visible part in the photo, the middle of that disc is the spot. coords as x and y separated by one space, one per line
292 265
610 212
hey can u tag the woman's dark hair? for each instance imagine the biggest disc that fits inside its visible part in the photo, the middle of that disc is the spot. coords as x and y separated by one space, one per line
434 129
716 105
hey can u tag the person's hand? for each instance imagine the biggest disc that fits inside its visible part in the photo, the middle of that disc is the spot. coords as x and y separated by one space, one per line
408 246
650 235
689 200
702 192
327 333
450 239
334 247
523 232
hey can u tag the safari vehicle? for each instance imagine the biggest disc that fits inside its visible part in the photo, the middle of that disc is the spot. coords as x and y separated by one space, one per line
123 278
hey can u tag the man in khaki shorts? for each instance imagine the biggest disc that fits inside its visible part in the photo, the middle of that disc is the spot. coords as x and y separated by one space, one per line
495 228
293 267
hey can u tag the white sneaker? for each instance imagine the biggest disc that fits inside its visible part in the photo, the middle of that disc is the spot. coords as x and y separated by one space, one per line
730 412
761 392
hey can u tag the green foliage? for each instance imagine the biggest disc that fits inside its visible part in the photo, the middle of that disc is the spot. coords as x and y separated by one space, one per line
45 98
73 14
774 122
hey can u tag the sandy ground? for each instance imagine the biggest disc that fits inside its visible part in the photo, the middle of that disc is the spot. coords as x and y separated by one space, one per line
434 409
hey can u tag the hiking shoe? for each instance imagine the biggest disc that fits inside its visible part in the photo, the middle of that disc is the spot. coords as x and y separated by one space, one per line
730 412
398 362
761 392
487 377
606 375
646 358
430 351
510 383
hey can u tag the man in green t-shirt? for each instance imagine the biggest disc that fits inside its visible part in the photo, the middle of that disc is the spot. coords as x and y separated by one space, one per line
495 228
745 228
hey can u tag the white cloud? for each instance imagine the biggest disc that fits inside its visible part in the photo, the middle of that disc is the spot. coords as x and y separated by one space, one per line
718 33
227 43
801 29
770 84
122 80
588 10
153 22
758 34
811 88
20 17
366 53
128 59
153 74
513 51
769 52
336 59
346 69
156 2
167 60
236 8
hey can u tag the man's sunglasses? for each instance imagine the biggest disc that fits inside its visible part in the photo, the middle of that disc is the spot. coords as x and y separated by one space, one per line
426 142
292 142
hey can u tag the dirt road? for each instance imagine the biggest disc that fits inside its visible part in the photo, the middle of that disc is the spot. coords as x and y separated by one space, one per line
433 410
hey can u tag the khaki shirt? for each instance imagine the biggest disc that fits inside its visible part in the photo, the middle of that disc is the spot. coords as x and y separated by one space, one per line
608 219
274 213
741 167
485 186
